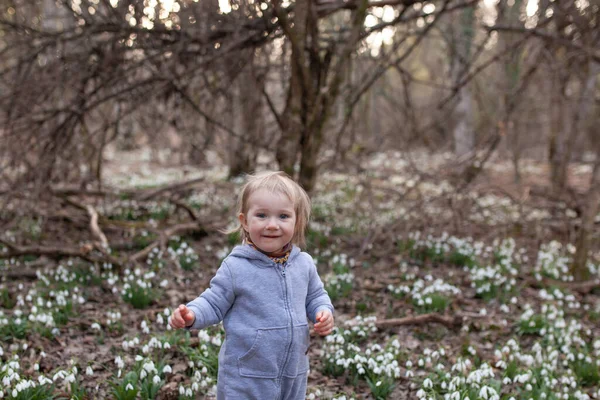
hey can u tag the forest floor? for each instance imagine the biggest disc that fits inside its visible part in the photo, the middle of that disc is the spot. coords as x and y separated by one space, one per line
439 292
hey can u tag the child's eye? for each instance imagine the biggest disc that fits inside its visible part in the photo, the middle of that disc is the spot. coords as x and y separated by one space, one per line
284 216
261 215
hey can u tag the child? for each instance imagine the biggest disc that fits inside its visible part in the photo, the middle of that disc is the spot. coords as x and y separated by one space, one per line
264 292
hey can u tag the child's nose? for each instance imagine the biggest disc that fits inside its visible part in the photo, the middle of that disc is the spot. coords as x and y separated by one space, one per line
272 224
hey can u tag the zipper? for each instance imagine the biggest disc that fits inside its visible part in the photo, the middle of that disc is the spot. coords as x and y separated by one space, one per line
287 354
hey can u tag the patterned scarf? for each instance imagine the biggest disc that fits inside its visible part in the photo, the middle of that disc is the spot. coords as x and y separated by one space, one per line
276 259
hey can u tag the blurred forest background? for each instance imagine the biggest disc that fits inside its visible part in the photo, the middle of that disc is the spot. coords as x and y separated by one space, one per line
400 116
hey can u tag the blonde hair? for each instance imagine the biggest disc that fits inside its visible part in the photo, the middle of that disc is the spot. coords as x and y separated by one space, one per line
276 182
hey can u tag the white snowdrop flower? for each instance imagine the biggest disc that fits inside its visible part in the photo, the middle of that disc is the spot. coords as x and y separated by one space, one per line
484 392
138 358
427 383
144 326
96 326
143 374
156 379
149 366
89 371
167 369
129 387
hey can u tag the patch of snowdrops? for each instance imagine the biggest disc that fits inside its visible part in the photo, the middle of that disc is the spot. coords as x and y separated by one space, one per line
203 363
347 352
427 295
45 306
562 363
340 282
15 385
138 287
183 254
492 269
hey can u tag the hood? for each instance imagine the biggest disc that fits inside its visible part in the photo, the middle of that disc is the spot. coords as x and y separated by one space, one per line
261 259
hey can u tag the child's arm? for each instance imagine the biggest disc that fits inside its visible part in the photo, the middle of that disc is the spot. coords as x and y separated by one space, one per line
318 304
212 305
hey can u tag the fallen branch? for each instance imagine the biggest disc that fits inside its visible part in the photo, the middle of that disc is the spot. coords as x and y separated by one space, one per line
84 252
455 321
170 188
185 207
164 238
9 245
19 273
583 287
50 251
76 191
96 231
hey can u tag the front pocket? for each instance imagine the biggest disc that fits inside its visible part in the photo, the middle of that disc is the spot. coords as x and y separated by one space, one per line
298 357
265 358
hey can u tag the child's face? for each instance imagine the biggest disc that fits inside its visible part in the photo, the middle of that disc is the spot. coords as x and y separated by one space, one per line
269 221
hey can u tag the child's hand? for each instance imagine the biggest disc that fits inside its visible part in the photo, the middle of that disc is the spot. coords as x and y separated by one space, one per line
182 317
324 324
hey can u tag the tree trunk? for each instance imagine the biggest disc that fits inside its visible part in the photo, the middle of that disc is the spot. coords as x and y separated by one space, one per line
248 121
314 86
592 199
294 115
584 236
463 133
558 175
509 14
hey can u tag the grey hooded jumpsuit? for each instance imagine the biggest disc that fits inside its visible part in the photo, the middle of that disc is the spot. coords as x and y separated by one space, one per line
265 308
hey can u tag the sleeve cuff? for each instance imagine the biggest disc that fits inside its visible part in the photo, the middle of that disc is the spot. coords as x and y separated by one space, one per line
198 317
321 308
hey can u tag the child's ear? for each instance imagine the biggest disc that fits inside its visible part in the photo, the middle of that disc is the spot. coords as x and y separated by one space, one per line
242 219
